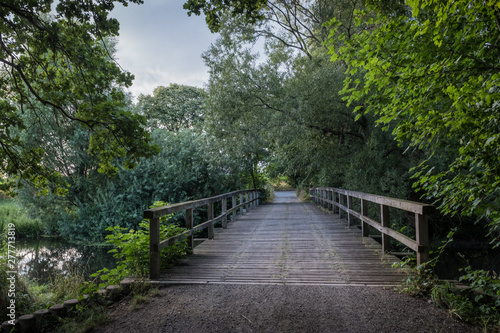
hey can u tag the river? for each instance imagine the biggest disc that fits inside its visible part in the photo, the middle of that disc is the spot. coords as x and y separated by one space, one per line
41 259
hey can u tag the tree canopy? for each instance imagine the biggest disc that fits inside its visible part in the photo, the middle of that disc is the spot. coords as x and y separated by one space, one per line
55 63
215 9
431 76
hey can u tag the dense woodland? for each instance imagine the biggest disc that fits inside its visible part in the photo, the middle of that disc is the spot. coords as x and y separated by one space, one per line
399 98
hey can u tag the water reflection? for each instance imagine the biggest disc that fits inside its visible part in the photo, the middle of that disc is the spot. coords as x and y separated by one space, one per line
42 259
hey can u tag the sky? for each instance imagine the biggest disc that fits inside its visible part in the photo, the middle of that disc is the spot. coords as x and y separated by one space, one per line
160 44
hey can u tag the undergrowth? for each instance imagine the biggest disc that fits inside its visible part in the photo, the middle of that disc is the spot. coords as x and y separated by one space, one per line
131 249
476 303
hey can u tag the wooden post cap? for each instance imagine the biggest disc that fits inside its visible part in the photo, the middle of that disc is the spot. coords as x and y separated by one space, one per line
70 304
41 313
57 310
26 323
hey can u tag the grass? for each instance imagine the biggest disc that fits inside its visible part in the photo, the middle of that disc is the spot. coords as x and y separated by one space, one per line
143 297
86 319
12 213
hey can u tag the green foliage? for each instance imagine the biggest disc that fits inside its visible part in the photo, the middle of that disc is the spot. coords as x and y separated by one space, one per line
173 108
423 281
185 169
12 213
214 9
479 304
131 249
430 75
87 319
56 64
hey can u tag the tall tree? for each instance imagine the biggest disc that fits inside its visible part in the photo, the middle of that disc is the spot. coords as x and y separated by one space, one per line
430 73
56 62
173 107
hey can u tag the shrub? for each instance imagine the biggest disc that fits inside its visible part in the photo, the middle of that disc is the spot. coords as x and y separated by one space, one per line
131 249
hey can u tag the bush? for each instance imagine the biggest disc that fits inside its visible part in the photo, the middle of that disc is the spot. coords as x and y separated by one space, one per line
132 251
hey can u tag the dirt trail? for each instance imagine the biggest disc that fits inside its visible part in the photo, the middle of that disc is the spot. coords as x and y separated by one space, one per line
282 308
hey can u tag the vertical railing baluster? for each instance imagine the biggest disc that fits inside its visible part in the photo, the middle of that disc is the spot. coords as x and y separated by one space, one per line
233 202
422 238
154 252
384 221
365 230
189 226
211 230
341 203
349 206
242 207
224 212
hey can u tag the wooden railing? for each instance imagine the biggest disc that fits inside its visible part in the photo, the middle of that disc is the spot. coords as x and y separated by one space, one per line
247 199
342 201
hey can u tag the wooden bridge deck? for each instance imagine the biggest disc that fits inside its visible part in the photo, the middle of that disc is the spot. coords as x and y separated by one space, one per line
287 242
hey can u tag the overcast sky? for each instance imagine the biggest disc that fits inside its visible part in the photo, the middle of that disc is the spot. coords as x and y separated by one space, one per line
160 44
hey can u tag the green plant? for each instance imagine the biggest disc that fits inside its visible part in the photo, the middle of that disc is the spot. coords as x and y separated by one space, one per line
87 318
143 297
424 280
12 212
132 251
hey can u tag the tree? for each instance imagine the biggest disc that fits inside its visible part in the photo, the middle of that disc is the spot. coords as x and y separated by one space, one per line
286 112
215 9
430 72
57 63
173 107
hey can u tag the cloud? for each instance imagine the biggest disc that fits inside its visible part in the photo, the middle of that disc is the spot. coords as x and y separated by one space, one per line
160 44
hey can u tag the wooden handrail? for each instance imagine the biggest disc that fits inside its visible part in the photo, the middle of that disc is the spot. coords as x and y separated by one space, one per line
247 199
340 200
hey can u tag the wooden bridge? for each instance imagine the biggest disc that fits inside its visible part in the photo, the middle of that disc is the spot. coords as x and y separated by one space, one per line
290 242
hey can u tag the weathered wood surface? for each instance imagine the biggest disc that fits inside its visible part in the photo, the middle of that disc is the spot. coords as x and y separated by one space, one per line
287 242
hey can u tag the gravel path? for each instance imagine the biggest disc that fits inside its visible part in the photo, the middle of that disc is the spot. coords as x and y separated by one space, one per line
282 308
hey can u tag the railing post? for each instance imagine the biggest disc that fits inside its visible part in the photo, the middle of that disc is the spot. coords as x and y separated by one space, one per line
341 203
349 205
330 197
189 226
241 203
422 230
384 221
211 230
233 202
154 252
365 230
224 211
